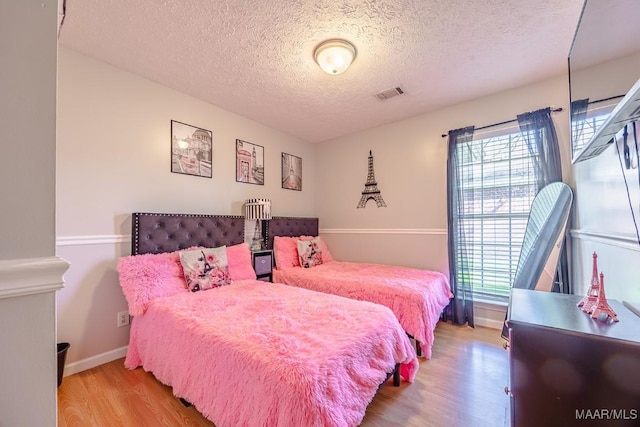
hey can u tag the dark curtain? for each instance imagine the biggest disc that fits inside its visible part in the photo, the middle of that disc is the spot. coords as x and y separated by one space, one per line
460 310
538 131
579 110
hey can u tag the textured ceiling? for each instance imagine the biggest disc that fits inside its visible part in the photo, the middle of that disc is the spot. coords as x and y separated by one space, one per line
255 58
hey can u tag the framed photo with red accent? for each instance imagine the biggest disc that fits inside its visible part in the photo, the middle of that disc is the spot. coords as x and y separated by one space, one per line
249 162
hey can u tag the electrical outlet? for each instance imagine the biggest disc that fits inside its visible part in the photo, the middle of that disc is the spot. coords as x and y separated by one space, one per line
123 318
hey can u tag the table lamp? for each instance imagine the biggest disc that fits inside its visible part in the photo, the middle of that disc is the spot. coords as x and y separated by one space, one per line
258 210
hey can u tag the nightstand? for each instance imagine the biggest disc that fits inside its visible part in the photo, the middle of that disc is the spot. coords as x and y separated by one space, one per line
262 261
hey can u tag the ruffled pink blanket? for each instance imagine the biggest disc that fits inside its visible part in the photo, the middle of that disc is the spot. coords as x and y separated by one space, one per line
266 354
417 297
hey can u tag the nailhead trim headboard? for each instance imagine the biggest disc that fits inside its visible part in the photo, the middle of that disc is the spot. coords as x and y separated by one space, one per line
153 233
291 227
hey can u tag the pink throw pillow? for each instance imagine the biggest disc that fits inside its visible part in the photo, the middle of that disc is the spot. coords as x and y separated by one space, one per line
144 278
239 259
285 251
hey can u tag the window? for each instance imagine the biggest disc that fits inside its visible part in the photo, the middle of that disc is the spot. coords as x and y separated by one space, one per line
497 186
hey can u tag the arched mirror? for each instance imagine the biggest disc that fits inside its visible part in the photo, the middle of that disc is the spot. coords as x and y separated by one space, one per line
543 239
604 65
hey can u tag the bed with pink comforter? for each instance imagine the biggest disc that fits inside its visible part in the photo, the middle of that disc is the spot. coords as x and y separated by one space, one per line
417 297
256 354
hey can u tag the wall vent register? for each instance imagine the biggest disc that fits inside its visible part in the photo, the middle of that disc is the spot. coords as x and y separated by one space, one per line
389 93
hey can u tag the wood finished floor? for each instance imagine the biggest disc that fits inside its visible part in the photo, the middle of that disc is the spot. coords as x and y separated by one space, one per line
462 385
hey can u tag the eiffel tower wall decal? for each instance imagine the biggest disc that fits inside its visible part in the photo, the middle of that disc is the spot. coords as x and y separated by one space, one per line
371 191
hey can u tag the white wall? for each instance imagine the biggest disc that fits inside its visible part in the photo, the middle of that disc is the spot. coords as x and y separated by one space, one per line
27 206
28 119
114 159
410 168
603 219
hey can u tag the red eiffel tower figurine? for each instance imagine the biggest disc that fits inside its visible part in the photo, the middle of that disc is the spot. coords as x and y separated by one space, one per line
602 306
589 301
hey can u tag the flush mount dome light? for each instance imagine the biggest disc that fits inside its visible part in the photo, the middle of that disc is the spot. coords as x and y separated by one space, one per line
334 56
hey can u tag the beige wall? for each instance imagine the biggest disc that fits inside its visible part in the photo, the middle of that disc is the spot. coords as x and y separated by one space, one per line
604 223
114 159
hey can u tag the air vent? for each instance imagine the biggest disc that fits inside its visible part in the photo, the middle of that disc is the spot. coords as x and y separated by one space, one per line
389 93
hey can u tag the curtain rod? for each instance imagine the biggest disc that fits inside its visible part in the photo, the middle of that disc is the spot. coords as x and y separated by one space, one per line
555 110
606 99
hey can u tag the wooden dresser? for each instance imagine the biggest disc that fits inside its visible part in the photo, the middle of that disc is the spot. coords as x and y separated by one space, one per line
568 369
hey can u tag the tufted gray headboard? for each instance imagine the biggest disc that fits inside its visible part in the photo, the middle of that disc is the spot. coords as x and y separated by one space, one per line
291 227
153 233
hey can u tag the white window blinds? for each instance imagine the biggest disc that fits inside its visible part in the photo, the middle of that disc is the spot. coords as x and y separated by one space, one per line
497 184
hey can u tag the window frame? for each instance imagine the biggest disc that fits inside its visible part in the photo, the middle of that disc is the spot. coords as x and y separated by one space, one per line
503 269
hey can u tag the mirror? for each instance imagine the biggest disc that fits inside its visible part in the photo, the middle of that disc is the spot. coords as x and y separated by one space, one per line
604 64
543 240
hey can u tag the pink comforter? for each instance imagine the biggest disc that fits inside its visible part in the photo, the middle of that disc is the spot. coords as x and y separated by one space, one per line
258 354
417 297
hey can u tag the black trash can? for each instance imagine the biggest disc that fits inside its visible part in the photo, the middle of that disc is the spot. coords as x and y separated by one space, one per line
62 356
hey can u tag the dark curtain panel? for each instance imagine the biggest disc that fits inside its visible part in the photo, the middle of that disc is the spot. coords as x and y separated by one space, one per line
538 131
578 117
460 309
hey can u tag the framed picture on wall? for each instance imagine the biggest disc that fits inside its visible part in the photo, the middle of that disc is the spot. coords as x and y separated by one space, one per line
291 172
191 150
249 162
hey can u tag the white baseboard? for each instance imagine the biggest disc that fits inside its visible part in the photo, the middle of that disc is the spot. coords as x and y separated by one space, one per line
489 314
93 361
487 323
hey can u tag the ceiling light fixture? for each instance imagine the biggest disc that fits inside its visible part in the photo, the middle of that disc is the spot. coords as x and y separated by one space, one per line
334 56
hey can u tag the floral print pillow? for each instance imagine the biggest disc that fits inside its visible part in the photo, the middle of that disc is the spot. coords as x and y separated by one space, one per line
205 268
309 252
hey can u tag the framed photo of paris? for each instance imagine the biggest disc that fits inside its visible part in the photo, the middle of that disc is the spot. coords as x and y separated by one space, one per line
191 150
249 162
291 172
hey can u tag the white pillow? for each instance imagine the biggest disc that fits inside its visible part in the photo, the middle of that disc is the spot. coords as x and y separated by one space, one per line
205 268
309 252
